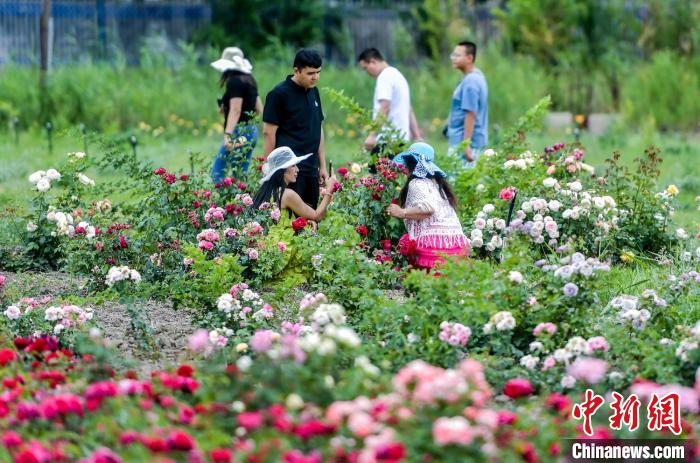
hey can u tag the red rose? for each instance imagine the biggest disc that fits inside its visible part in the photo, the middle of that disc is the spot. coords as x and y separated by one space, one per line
179 440
407 246
185 370
386 245
221 456
299 224
183 177
558 401
362 230
337 186
155 444
507 194
159 171
122 242
391 452
11 439
342 171
170 178
196 204
517 387
228 181
7 356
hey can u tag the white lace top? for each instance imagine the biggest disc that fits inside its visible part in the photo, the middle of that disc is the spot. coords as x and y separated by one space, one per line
441 230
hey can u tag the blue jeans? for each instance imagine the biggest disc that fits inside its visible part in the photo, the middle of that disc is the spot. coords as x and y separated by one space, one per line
239 158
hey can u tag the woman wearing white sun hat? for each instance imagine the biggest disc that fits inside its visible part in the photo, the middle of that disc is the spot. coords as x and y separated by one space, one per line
239 105
279 171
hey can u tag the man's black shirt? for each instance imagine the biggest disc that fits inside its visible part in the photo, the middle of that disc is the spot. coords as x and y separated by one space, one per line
298 114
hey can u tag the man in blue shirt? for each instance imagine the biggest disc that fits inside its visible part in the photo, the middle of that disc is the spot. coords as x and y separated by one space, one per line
469 112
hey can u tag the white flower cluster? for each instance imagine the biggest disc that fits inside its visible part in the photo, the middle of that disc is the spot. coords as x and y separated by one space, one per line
574 348
326 314
243 303
64 222
526 159
76 155
63 317
67 316
689 344
630 311
487 230
502 321
42 179
529 361
121 273
84 179
575 264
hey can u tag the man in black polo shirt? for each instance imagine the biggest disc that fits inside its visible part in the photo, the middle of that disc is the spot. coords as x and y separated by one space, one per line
293 117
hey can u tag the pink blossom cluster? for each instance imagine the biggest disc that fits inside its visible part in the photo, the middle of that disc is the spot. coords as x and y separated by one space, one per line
546 328
252 229
214 214
311 300
423 383
689 397
207 238
587 369
454 334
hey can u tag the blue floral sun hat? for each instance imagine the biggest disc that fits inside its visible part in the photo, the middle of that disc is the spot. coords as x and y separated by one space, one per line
424 154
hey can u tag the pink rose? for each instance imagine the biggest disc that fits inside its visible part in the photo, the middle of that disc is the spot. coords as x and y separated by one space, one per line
589 370
551 169
281 246
360 424
198 341
454 430
253 254
507 194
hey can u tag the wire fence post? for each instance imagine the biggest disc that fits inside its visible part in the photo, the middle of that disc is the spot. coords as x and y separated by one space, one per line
15 129
49 128
134 142
83 131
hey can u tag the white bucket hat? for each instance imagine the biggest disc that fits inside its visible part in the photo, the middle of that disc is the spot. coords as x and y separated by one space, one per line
280 158
232 59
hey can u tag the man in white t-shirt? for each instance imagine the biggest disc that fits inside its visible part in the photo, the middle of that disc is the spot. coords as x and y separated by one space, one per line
392 99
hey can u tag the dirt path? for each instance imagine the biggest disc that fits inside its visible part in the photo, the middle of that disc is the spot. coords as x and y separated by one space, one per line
160 341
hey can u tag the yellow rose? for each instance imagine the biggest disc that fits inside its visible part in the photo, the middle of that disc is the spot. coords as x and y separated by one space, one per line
355 168
627 256
672 190
241 347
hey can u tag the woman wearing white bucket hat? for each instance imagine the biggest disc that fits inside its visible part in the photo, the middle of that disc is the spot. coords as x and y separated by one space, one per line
239 105
279 171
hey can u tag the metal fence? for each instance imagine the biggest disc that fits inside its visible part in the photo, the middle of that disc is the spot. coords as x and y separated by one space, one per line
89 30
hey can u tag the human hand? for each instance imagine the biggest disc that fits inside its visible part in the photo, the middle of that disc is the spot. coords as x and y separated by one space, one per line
313 224
323 175
468 154
370 142
394 210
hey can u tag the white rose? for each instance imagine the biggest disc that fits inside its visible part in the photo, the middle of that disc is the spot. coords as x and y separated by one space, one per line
36 176
13 312
575 186
489 208
53 174
31 227
681 234
43 184
85 180
489 152
549 182
515 277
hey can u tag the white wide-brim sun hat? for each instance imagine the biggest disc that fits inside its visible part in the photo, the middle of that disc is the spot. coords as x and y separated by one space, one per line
280 158
232 59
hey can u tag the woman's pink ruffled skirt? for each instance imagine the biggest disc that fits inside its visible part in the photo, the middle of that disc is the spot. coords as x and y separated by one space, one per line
429 257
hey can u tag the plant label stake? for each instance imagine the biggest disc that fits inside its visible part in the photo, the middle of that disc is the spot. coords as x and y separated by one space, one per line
85 143
191 154
511 206
49 127
15 128
133 142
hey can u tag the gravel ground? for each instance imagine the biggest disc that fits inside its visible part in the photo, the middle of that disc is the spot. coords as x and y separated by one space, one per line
168 329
